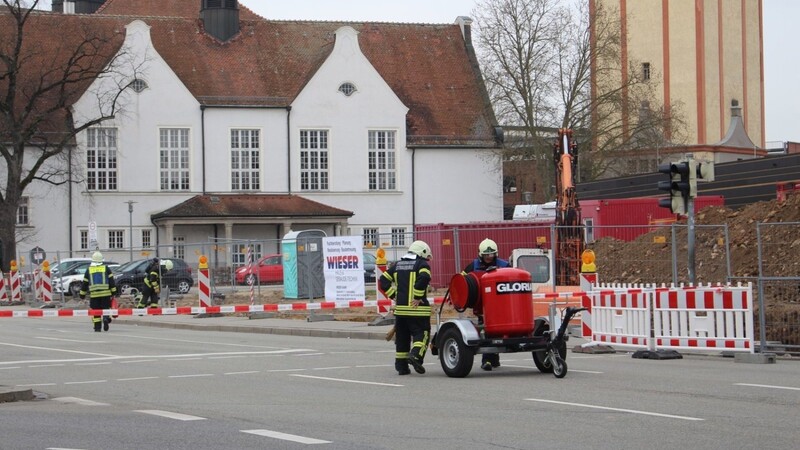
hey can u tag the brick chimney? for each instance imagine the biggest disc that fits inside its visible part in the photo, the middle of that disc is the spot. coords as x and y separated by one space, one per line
220 18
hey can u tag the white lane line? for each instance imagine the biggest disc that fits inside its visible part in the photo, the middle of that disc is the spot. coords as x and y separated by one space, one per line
138 361
137 379
65 340
94 364
585 371
78 401
286 437
310 354
46 365
192 376
330 368
184 359
348 381
86 382
241 373
63 448
768 386
169 415
531 367
372 366
36 385
157 357
50 349
631 411
226 357
8 368
286 370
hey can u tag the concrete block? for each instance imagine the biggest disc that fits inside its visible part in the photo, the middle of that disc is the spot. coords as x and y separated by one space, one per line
756 358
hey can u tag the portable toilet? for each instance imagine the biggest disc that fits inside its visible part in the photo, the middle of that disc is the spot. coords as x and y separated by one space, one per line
303 269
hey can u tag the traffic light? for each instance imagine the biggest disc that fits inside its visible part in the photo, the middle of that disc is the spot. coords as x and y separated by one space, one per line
678 186
699 171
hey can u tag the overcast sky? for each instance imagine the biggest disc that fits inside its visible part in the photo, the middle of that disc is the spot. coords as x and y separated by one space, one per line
781 49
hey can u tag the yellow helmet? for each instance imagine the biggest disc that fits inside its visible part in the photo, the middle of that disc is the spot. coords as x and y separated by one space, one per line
487 247
421 249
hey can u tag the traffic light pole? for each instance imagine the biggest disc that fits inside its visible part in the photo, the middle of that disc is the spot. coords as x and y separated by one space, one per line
690 238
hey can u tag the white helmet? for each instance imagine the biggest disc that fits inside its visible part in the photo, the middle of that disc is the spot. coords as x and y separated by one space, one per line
421 249
487 247
167 264
97 257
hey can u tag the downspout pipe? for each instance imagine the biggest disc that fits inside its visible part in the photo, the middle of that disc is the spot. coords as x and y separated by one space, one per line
413 192
202 145
289 149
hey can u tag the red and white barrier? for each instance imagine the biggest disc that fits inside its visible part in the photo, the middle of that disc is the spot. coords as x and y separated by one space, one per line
203 284
621 318
3 293
704 318
46 285
16 285
383 310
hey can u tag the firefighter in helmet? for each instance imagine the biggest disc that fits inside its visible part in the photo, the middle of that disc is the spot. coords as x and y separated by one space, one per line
152 283
406 282
98 282
486 260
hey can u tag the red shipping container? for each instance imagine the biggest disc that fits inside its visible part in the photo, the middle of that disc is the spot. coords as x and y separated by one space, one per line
627 218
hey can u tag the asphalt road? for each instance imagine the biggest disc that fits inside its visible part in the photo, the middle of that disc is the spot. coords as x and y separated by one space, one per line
140 387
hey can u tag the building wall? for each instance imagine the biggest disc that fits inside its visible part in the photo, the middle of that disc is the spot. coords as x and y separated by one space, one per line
704 53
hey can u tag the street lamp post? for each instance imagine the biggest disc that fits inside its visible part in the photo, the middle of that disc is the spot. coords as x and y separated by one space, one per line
130 225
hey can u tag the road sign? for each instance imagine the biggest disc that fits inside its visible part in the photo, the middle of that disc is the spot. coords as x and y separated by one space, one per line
38 255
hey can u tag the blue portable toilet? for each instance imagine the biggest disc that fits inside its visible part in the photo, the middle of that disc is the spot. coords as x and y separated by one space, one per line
303 272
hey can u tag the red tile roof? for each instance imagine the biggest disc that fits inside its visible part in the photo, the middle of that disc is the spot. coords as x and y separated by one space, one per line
251 205
268 63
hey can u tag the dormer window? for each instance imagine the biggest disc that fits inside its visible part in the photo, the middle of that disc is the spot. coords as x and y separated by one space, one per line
347 89
138 85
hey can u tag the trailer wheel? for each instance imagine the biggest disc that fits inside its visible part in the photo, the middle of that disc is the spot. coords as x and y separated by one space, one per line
540 356
560 367
455 356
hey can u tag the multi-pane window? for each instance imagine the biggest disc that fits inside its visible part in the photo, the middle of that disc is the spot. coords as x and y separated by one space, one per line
116 239
23 218
646 71
371 237
178 243
382 173
313 160
146 239
239 254
398 237
174 155
101 159
245 160
84 239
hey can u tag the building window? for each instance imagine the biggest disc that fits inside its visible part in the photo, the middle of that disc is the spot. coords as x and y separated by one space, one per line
174 151
382 161
239 254
370 237
138 85
245 160
179 247
116 239
101 159
23 218
347 89
646 71
84 240
398 237
146 240
313 160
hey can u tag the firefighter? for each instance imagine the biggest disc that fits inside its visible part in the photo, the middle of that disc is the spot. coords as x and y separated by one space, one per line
98 282
406 282
487 258
152 283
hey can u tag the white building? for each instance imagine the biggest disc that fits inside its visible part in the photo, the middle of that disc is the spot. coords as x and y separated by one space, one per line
237 127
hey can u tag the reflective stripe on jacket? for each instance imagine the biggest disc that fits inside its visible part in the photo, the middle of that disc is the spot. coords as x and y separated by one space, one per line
405 281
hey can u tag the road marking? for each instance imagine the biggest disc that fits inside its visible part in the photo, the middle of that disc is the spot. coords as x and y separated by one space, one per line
286 437
86 382
631 411
226 357
94 364
330 368
65 340
169 415
63 448
50 349
768 386
137 361
36 385
8 368
348 381
585 371
47 365
310 354
137 379
184 359
287 370
242 373
192 376
78 401
372 366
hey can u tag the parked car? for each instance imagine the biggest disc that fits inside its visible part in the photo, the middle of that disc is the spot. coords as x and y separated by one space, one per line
132 274
369 267
64 264
69 282
268 269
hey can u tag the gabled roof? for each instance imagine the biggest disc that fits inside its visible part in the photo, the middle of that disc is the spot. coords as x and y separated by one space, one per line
250 205
430 67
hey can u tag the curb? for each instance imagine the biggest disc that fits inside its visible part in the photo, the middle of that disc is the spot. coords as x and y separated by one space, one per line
15 395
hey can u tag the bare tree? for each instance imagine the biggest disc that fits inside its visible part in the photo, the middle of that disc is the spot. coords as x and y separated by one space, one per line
552 64
47 62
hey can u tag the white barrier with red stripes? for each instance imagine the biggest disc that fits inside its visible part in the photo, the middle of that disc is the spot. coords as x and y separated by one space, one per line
203 284
621 318
46 285
704 318
3 292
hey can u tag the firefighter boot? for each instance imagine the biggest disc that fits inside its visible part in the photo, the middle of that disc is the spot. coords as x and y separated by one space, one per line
401 365
106 321
97 324
416 363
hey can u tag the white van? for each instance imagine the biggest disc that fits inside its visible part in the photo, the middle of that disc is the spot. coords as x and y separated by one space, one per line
544 212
